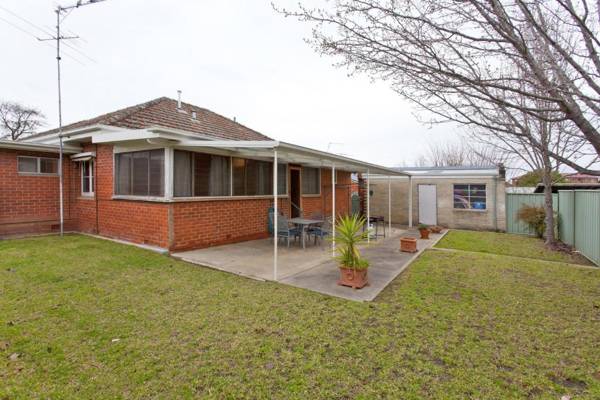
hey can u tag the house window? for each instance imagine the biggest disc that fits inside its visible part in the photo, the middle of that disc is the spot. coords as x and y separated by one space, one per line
37 165
140 173
311 180
201 175
87 178
282 178
252 177
470 197
210 175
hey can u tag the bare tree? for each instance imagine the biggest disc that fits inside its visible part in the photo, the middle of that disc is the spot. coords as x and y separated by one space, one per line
462 153
18 121
457 59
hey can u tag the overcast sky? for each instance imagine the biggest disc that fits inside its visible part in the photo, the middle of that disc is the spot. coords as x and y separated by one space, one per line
237 58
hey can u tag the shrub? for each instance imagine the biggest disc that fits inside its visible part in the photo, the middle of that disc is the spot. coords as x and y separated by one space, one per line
535 217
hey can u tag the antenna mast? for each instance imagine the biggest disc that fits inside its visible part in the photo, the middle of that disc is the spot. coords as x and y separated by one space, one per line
59 10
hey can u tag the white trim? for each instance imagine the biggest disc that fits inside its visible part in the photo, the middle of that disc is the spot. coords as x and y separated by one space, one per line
275 213
410 202
45 148
91 178
368 207
88 155
333 219
169 168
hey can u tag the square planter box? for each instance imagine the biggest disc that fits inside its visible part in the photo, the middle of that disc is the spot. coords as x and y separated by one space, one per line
408 245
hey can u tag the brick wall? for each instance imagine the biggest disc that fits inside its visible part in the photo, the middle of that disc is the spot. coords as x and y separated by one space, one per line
136 221
30 203
446 214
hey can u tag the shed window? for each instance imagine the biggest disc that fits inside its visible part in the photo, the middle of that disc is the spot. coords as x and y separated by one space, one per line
470 196
311 180
140 173
37 165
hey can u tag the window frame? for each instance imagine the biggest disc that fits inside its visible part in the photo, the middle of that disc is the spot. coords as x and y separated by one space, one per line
38 169
232 195
90 177
319 173
469 195
140 196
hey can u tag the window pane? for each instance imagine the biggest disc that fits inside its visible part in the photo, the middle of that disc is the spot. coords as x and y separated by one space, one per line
470 197
157 172
311 180
182 182
49 165
123 176
27 164
86 177
219 176
282 179
141 161
239 177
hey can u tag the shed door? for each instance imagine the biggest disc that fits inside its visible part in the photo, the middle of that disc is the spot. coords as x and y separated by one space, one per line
427 204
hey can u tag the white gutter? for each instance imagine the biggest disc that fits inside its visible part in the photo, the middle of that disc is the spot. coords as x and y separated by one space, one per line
48 148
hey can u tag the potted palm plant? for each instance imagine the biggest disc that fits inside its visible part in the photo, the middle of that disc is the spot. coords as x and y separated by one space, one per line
424 231
348 235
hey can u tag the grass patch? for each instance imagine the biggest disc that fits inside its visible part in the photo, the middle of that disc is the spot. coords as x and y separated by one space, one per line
454 325
506 244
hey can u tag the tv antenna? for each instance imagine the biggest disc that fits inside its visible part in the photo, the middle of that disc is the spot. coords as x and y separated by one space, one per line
60 10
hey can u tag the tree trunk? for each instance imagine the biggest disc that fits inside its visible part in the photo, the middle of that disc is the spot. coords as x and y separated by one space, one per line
548 207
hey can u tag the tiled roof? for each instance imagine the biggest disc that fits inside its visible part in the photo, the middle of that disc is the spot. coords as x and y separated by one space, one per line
163 112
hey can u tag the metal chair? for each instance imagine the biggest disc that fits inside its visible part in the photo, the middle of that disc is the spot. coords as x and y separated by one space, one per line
324 230
285 231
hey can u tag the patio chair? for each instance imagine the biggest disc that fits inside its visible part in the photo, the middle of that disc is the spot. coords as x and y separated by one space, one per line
284 231
320 232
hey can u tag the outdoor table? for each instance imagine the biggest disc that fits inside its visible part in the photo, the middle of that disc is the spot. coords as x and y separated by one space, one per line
376 220
304 223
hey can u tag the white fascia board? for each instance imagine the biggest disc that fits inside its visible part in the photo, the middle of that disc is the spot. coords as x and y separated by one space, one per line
42 147
356 165
125 135
416 177
179 132
231 144
79 133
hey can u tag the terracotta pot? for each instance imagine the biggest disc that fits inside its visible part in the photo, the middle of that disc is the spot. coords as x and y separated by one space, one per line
424 233
355 278
408 245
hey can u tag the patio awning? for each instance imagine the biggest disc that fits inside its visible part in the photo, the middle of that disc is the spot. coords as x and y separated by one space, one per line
291 153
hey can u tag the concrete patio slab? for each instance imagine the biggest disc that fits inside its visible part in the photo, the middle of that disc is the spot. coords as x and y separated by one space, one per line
387 262
254 259
312 268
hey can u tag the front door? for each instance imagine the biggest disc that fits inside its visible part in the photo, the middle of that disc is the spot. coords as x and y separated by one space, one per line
295 191
427 204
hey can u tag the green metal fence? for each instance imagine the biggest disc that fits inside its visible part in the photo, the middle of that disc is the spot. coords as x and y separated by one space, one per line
578 218
514 202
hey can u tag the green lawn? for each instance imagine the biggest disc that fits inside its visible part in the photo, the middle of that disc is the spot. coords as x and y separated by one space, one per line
90 318
506 244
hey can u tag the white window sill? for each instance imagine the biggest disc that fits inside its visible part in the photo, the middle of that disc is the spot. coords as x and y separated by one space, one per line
470 210
86 196
191 199
35 174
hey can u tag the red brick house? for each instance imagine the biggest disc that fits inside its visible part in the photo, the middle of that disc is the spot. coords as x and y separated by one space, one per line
166 174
